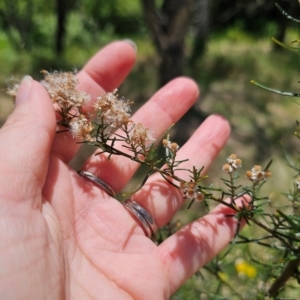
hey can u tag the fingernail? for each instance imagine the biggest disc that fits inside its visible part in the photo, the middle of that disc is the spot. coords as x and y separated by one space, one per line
24 89
132 44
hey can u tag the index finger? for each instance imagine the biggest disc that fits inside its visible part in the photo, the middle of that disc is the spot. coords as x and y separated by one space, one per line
104 72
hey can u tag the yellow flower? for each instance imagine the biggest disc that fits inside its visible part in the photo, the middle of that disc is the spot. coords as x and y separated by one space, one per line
245 269
223 276
251 271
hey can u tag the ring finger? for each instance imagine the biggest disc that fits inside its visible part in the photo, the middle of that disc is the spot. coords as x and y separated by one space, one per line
160 199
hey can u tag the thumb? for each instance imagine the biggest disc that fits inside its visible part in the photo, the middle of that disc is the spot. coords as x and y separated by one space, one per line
25 142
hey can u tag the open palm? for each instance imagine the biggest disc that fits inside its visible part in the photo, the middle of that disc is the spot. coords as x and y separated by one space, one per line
63 237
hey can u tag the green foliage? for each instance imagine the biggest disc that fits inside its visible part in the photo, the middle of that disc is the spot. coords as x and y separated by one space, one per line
21 21
123 17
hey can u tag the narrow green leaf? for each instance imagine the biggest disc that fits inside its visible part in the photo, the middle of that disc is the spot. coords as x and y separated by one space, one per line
290 94
284 45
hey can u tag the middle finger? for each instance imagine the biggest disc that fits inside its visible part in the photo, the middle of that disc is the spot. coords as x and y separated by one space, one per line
158 114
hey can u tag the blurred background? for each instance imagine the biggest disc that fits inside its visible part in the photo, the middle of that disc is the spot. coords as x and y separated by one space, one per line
222 44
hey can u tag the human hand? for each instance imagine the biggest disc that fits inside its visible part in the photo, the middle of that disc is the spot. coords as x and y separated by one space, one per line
63 237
